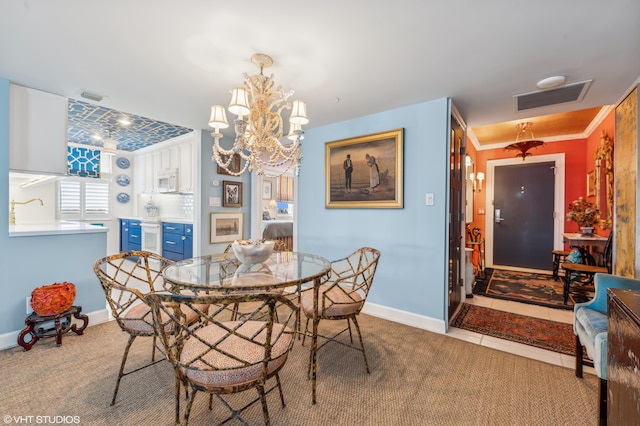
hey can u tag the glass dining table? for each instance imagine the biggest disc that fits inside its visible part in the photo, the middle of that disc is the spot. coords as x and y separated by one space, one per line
294 271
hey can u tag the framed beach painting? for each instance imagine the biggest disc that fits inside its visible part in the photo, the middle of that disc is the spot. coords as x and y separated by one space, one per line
365 172
226 227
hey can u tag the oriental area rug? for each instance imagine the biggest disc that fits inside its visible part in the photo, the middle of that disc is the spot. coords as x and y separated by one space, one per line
550 335
523 287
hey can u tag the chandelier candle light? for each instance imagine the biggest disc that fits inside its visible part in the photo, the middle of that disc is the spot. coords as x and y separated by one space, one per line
259 126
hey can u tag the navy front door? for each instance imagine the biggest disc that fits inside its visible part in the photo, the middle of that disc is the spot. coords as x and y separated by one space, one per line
523 215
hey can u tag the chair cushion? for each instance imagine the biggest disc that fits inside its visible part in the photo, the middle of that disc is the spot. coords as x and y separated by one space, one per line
574 257
337 303
593 322
591 328
139 318
214 369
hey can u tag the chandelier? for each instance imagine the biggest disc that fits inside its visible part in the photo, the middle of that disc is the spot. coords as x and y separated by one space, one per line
524 140
259 126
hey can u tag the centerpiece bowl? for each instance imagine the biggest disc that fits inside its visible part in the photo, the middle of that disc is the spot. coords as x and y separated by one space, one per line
251 252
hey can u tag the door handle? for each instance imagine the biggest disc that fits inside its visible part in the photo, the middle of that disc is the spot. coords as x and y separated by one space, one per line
498 218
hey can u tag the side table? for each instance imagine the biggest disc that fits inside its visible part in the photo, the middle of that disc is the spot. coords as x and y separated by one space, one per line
61 327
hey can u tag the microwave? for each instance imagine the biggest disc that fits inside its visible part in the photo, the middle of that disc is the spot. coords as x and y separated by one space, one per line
167 181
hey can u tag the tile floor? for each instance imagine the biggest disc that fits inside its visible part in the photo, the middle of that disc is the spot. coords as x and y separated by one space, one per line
543 355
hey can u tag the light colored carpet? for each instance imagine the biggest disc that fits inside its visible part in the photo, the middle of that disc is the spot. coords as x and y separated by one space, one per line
417 378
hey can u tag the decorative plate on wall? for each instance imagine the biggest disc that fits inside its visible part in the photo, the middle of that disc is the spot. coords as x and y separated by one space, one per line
123 198
123 180
122 162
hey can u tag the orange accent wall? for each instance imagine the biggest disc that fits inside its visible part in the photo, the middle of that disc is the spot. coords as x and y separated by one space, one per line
579 159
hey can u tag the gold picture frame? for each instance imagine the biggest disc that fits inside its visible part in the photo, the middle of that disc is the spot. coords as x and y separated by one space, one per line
376 173
226 227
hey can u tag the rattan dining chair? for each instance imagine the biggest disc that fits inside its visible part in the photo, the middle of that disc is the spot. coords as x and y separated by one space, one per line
343 295
219 356
126 279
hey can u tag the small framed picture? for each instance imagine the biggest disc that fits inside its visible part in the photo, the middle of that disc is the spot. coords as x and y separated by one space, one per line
234 166
266 190
226 227
591 183
231 193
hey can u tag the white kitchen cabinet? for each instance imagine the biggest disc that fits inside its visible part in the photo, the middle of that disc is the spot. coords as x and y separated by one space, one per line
176 155
186 169
37 131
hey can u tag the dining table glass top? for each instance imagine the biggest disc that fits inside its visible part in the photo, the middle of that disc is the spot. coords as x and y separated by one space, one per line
226 272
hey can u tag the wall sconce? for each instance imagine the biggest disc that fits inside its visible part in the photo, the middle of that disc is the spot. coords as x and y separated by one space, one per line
479 178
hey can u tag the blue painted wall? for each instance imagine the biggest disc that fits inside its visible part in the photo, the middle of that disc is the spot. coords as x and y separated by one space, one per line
411 275
30 262
208 175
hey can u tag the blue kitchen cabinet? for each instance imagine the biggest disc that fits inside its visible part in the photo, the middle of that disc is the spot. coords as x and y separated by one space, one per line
188 241
130 235
177 240
124 235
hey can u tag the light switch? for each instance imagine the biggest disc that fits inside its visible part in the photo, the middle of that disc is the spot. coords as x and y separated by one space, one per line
480 211
215 201
428 199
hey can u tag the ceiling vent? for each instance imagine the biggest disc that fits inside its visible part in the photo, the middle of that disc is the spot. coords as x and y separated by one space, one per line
569 93
91 96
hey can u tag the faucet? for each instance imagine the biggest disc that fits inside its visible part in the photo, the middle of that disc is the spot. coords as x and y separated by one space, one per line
12 211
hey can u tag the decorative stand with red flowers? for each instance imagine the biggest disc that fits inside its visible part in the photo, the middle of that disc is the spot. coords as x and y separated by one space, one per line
585 214
53 308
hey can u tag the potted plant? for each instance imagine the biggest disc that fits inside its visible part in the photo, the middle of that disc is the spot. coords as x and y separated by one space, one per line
584 213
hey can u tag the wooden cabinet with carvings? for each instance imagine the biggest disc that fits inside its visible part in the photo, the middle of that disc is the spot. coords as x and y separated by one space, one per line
623 347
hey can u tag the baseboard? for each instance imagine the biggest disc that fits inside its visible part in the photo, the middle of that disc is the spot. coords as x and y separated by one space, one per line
404 317
9 340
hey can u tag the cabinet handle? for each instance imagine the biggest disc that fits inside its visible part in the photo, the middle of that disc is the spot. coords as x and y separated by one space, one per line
188 230
184 238
134 236
172 228
170 242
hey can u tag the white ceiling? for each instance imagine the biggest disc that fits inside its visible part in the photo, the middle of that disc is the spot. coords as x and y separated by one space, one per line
170 60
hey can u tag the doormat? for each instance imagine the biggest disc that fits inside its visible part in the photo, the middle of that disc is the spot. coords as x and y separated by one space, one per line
524 287
545 334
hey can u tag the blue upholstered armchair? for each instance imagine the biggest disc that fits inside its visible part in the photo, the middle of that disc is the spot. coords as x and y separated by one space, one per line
590 328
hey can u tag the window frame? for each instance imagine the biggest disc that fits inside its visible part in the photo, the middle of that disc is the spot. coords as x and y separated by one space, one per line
84 214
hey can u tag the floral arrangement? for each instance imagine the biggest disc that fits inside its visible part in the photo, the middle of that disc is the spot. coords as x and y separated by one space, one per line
583 212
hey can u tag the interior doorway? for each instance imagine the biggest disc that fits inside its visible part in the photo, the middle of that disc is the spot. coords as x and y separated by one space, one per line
495 247
456 214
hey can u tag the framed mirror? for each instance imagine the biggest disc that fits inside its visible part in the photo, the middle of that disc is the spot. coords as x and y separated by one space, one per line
604 180
469 190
